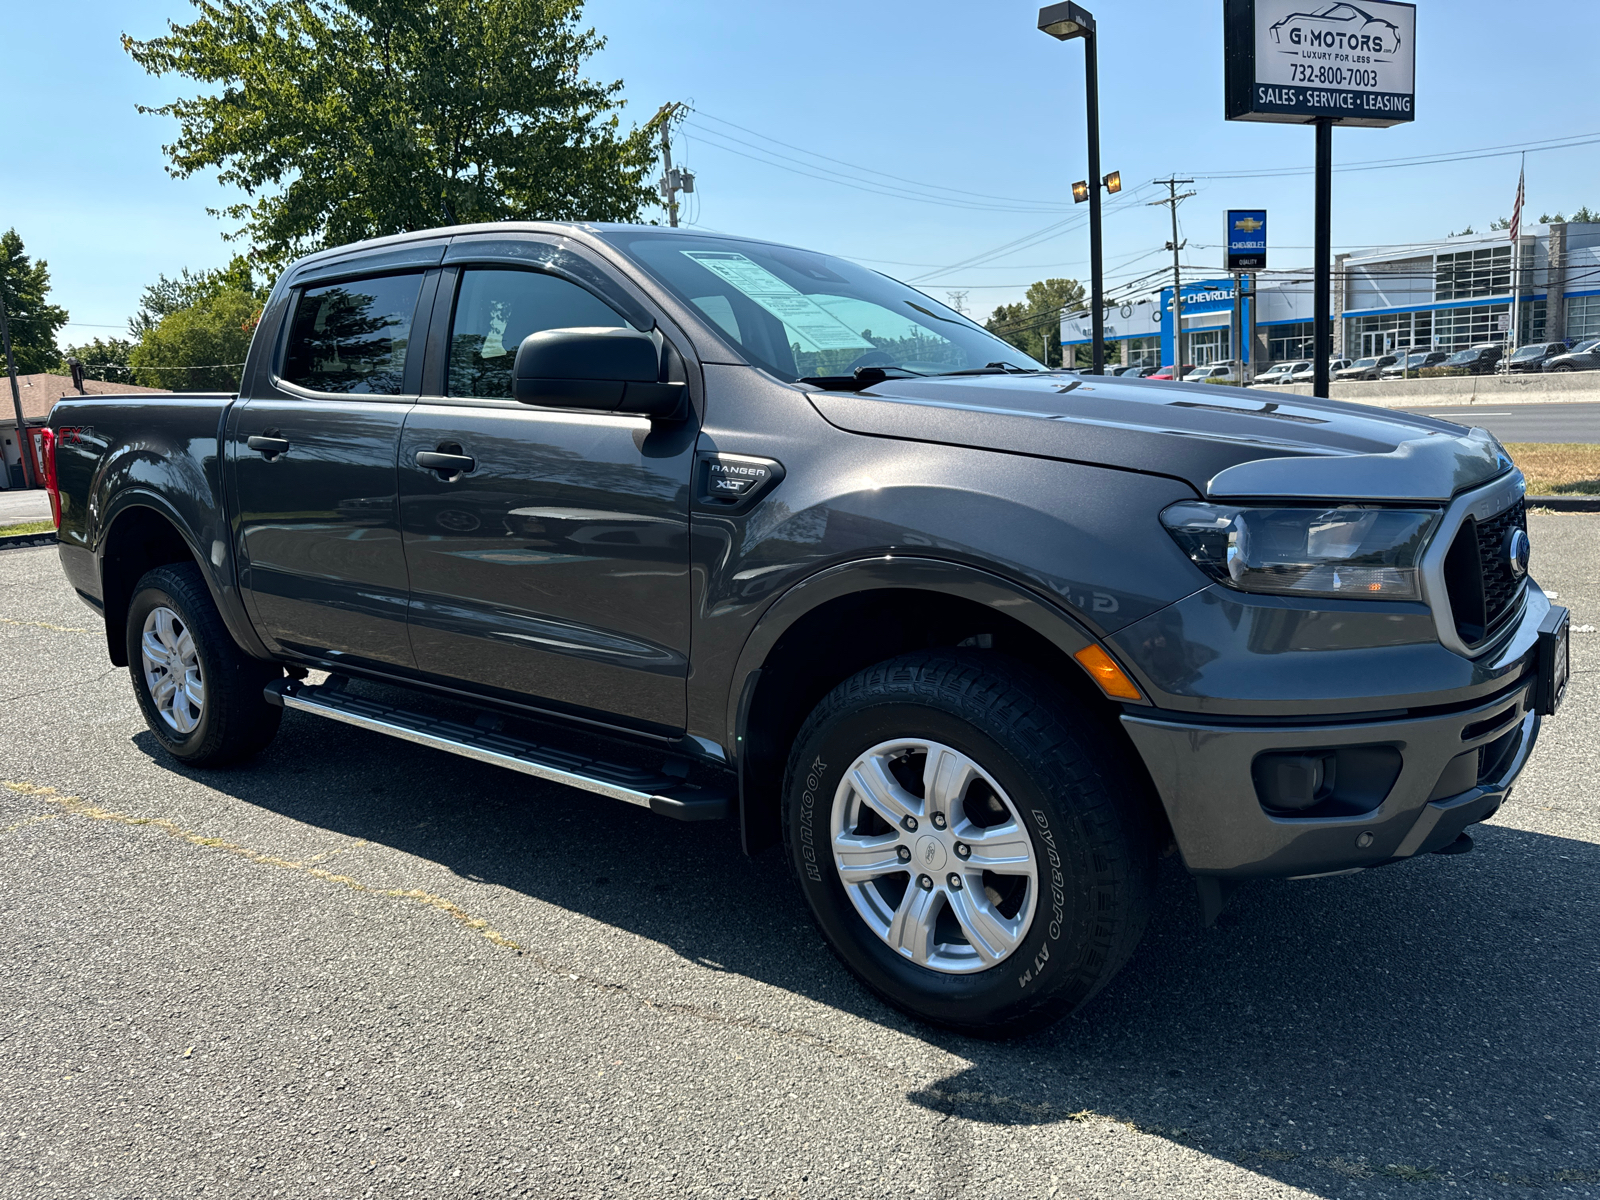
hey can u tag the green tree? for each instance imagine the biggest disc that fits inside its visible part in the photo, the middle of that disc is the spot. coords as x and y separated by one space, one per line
25 286
349 119
201 347
103 360
1034 325
169 294
1584 217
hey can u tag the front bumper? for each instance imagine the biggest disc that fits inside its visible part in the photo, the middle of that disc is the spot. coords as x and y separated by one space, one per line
1203 772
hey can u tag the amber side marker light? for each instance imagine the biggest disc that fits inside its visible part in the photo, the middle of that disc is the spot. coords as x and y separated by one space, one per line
1104 671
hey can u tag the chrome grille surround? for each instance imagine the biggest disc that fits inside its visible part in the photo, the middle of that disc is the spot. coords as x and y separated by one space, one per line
1484 504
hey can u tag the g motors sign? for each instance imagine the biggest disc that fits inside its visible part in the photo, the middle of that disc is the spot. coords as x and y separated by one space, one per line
1292 61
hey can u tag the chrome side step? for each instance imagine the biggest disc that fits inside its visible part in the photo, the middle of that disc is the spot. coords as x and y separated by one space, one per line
658 791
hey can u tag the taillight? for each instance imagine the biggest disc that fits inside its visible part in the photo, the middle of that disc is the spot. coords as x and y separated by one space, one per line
44 457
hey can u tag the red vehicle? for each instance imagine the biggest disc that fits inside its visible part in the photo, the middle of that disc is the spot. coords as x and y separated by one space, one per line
1166 373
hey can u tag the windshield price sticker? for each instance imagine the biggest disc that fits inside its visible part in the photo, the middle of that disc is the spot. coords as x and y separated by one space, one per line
805 318
1288 60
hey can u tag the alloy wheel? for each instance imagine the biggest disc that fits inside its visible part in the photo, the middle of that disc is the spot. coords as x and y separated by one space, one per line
934 856
172 672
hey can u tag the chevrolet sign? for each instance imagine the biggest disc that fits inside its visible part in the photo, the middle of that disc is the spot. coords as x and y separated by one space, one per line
1293 61
1247 239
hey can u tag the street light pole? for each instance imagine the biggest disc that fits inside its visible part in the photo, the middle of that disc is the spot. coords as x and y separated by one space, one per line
1097 283
1065 22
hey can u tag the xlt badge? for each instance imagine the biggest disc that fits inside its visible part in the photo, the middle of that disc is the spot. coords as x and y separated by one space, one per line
733 482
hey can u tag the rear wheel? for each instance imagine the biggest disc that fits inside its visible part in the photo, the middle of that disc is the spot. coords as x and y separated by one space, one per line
1562 367
200 694
968 842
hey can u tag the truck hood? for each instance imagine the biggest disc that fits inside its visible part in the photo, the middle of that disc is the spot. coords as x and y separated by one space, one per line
1223 441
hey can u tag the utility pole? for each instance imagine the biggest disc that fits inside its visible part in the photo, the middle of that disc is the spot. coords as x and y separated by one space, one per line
958 301
1172 201
672 182
24 446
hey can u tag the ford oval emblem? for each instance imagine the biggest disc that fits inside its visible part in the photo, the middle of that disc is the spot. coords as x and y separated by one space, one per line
1516 550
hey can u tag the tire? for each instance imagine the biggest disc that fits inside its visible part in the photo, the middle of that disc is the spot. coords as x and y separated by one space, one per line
1563 367
1038 778
217 715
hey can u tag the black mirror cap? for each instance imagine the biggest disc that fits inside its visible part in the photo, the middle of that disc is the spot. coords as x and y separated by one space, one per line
596 368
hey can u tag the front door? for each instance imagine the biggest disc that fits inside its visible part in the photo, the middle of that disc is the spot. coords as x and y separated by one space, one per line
549 558
321 562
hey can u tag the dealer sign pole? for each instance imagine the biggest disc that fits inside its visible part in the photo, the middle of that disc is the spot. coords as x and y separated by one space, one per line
1341 64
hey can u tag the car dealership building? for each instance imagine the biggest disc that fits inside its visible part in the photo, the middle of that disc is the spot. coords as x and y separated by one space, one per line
1448 295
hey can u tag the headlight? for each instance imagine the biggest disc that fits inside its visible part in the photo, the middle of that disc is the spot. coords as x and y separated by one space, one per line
1346 551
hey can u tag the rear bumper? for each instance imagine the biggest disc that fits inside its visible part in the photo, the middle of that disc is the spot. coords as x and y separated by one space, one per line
1204 774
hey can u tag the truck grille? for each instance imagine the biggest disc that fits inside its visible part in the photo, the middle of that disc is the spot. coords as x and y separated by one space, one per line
1483 591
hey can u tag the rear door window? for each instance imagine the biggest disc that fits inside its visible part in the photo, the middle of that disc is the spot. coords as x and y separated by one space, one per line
496 309
352 337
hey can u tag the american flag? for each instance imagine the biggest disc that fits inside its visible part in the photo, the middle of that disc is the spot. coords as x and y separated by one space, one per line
1516 212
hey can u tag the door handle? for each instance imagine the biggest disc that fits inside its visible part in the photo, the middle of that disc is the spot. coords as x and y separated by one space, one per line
446 464
269 447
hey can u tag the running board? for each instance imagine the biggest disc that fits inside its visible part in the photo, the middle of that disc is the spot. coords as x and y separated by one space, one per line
658 791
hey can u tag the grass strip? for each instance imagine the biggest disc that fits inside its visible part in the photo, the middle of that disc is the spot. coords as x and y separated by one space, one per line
29 527
1558 468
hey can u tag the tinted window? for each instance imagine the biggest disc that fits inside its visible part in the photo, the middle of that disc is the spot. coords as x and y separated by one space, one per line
352 336
495 310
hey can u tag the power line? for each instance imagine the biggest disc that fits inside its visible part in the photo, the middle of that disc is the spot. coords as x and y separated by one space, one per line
1422 160
858 167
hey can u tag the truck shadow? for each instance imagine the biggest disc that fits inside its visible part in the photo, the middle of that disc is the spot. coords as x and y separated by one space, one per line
1350 1036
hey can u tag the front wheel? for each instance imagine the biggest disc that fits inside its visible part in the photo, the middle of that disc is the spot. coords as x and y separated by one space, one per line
971 846
200 694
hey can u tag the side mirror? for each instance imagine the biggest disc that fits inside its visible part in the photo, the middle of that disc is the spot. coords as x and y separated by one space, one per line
600 369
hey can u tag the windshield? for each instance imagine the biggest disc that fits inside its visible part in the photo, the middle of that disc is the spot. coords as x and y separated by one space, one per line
1367 362
1416 360
1584 347
1529 352
801 314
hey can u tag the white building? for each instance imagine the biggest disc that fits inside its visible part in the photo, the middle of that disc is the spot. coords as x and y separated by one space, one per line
1449 295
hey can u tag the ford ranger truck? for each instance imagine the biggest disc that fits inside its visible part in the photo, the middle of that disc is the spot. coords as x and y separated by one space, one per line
728 529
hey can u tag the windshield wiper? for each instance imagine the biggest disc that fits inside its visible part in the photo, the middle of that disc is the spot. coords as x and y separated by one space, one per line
862 377
998 368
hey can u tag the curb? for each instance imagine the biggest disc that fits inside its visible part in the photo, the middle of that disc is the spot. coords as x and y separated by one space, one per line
17 540
1571 504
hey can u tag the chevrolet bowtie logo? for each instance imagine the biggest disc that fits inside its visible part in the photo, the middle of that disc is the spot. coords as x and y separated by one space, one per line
1248 224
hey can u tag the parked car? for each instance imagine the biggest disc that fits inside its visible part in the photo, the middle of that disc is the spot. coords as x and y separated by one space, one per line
1280 372
1476 360
1166 372
1531 358
976 642
1364 368
1127 370
1146 372
1413 362
1223 372
1307 372
1585 356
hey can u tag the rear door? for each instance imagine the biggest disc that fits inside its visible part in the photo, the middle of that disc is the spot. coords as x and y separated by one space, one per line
555 569
313 462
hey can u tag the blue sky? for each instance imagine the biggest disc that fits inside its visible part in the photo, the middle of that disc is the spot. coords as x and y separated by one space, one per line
966 96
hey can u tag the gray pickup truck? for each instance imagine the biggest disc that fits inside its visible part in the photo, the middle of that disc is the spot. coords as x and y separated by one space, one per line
723 528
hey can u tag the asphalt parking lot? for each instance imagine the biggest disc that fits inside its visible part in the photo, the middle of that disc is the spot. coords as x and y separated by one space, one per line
360 968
